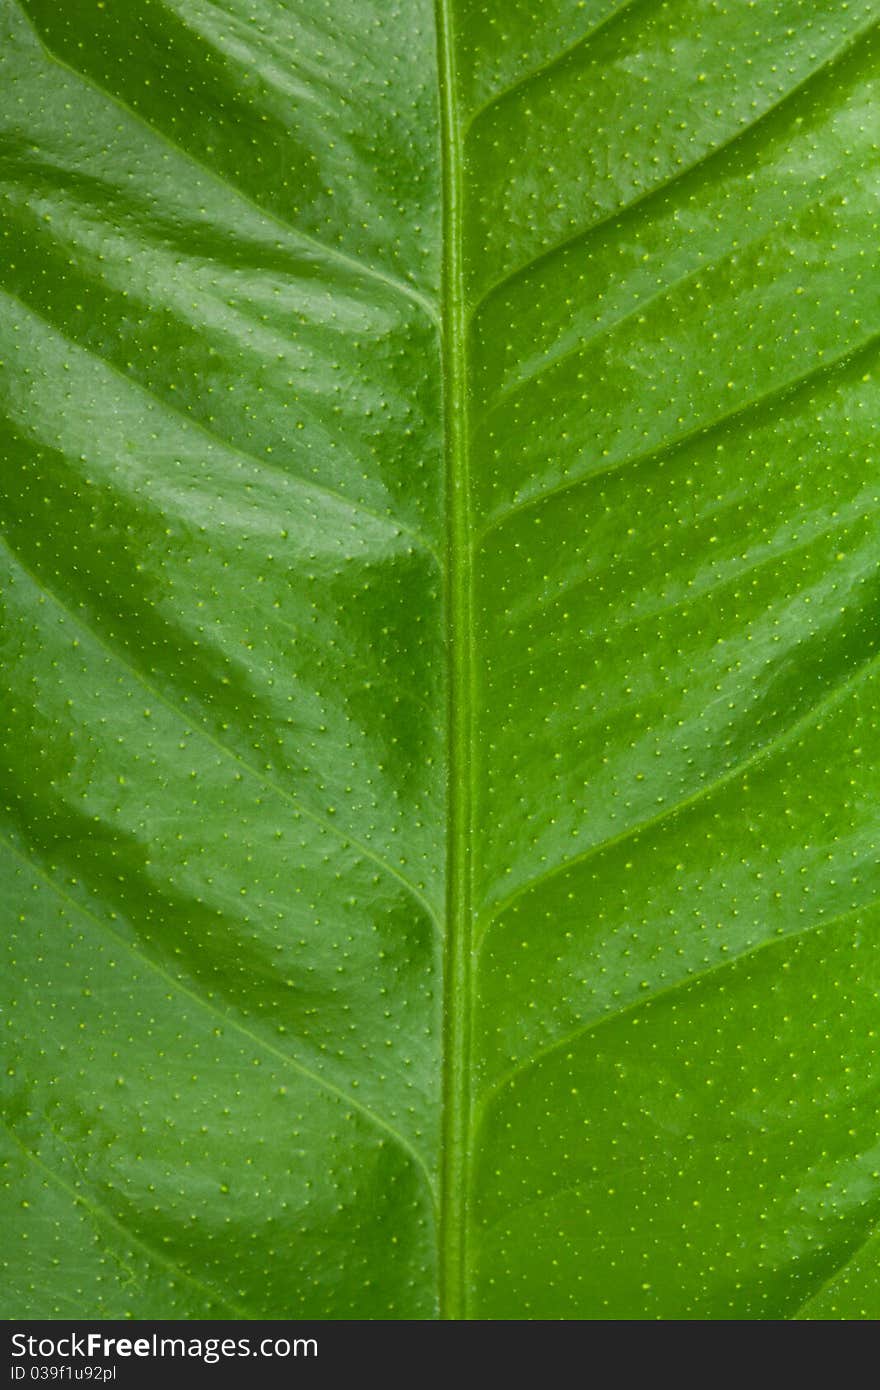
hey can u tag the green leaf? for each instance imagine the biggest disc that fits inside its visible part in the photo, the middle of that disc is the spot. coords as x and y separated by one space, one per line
439 831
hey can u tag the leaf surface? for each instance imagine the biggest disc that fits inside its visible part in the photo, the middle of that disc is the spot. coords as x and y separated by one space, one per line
439 833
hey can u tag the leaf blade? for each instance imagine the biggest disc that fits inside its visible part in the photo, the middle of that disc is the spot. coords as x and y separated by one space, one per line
675 353
212 554
439 561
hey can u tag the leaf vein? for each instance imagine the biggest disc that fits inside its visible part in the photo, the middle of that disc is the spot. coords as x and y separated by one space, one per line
192 422
583 43
223 748
649 1000
178 985
100 1212
836 56
332 253
781 394
771 747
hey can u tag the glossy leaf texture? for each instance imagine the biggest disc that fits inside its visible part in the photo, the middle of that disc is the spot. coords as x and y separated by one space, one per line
440 631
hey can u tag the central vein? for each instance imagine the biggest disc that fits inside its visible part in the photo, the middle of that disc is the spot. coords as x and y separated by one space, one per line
457 953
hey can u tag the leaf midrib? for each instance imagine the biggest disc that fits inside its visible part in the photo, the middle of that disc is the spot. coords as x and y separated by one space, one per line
457 991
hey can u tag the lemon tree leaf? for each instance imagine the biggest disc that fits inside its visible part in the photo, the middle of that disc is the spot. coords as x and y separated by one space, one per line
439 574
